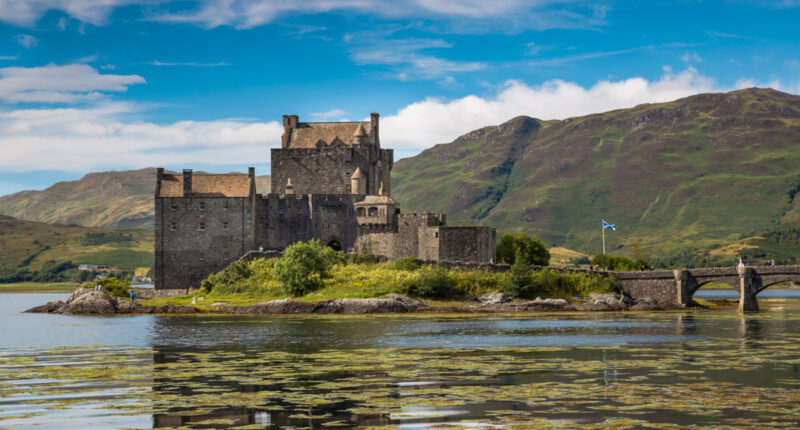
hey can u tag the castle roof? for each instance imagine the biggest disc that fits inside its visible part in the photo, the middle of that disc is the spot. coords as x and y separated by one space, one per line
360 131
206 185
358 174
307 134
376 200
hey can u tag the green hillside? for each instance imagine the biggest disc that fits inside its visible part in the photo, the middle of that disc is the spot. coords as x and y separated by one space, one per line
104 199
35 247
698 180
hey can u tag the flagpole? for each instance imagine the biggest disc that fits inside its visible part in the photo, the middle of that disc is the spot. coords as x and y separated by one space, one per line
602 227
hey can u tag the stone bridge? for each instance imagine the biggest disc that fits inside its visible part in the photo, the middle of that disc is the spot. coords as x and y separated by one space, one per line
678 286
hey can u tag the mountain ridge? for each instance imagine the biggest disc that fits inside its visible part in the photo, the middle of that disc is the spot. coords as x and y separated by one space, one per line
674 176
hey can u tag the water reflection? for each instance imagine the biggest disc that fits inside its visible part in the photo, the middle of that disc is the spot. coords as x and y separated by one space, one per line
712 369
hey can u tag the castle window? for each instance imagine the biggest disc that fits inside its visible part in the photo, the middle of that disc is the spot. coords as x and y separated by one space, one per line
225 225
202 255
226 204
173 205
299 211
372 211
282 211
360 212
173 226
436 234
298 197
202 206
202 226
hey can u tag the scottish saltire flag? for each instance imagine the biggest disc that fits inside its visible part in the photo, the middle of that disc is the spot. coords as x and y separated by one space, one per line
607 225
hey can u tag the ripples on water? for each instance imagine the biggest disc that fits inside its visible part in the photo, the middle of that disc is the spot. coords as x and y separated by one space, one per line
628 370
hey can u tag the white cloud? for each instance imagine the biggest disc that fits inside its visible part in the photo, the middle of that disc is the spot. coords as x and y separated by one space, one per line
467 15
691 57
422 124
27 12
86 139
26 40
187 64
334 113
60 84
405 58
743 83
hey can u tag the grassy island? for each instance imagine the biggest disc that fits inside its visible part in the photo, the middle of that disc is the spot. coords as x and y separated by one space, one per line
312 273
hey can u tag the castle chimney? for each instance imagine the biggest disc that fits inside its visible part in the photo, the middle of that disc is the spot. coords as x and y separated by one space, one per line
289 123
373 126
251 171
358 182
289 186
187 182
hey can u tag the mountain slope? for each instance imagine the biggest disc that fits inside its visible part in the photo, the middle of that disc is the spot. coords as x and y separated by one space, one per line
698 173
105 199
30 245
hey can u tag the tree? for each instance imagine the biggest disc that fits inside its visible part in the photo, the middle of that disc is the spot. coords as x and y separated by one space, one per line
532 250
506 249
520 281
302 268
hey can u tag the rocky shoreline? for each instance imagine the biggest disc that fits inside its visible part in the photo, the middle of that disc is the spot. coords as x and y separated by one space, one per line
91 302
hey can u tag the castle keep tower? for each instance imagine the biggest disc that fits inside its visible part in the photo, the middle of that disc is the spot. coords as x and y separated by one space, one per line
331 181
321 157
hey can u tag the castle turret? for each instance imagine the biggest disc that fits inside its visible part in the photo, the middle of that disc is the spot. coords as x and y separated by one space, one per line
358 182
360 136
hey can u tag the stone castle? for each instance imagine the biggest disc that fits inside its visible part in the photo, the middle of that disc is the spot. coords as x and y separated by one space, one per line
330 181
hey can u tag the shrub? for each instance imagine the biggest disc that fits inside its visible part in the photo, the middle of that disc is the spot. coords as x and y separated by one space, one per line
532 250
302 268
236 273
408 264
333 256
618 262
112 286
520 281
432 282
476 283
568 285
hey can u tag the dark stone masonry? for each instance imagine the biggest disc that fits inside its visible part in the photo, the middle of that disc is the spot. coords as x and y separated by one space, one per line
331 181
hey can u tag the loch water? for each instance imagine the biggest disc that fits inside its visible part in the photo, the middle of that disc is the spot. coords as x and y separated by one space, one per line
708 369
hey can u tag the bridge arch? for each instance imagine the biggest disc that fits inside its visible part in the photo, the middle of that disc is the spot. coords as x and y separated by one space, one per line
769 281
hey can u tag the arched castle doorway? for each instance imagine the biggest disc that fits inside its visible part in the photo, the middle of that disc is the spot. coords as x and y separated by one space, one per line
335 245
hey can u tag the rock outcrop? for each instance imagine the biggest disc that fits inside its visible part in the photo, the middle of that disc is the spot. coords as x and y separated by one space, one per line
85 301
391 303
91 302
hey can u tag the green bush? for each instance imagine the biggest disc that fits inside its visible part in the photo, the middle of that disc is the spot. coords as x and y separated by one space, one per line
408 264
520 281
567 285
302 268
333 256
236 273
532 250
112 286
432 282
618 262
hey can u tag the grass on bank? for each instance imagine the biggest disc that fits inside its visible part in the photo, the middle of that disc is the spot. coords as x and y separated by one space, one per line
39 287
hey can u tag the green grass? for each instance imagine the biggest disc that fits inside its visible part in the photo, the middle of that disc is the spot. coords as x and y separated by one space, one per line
39 287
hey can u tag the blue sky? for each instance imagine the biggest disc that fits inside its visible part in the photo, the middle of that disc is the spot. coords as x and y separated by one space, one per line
138 83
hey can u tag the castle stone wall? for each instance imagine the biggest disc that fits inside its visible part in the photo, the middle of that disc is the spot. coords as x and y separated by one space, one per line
196 236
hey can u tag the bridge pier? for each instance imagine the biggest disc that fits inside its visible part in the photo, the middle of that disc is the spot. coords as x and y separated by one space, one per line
682 286
749 285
